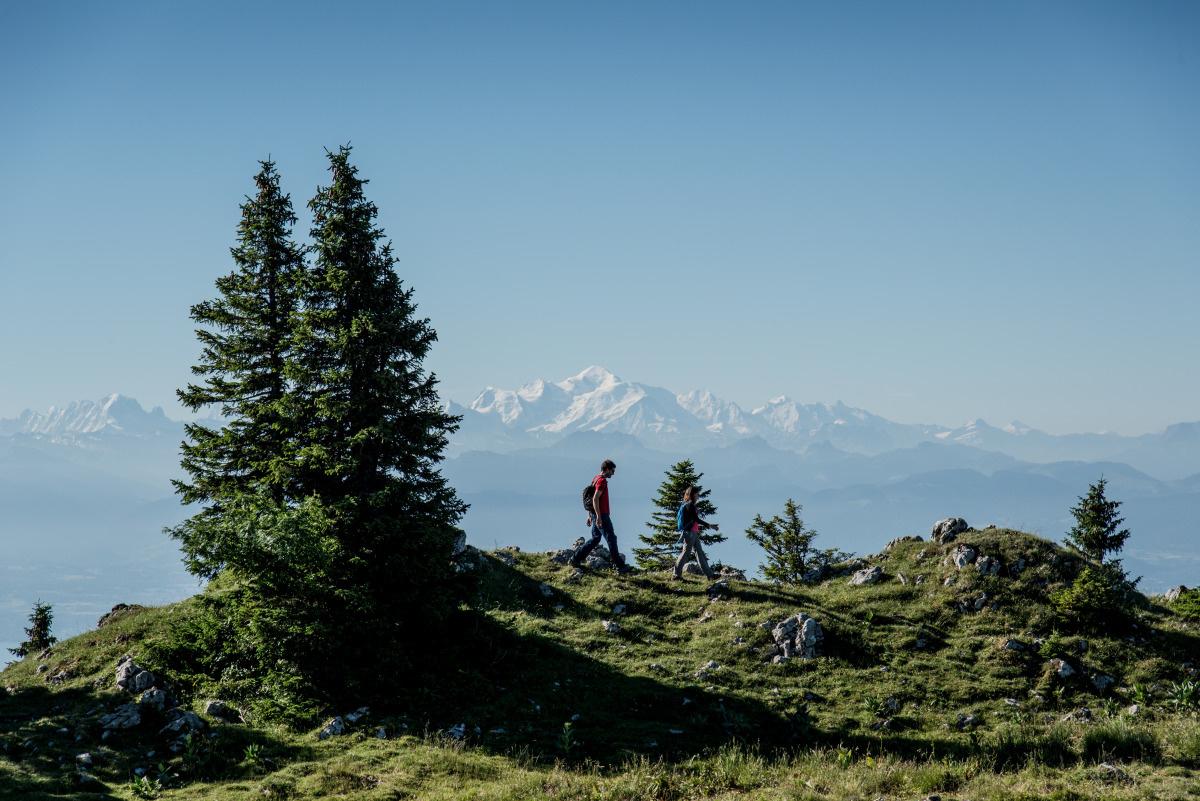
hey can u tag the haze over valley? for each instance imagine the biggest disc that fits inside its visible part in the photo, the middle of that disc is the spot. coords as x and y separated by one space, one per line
86 485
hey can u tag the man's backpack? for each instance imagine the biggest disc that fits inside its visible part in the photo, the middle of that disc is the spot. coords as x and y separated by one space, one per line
589 492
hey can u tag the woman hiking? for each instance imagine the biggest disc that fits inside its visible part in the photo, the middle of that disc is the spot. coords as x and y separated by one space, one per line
690 524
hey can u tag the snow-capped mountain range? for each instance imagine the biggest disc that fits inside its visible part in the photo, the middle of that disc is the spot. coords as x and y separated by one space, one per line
597 400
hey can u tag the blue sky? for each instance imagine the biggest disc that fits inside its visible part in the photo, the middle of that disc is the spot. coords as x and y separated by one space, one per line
935 211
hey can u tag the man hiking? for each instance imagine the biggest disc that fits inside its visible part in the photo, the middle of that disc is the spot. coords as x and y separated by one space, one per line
601 520
689 524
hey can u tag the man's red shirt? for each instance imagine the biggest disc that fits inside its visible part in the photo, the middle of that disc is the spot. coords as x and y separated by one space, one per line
601 485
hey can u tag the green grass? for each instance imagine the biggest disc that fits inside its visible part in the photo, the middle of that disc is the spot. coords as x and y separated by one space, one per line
567 710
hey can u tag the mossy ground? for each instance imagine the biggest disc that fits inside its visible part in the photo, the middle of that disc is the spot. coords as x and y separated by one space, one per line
564 709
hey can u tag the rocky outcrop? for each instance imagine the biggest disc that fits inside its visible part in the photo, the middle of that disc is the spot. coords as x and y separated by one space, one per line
1172 595
116 612
132 677
907 538
126 716
796 637
948 529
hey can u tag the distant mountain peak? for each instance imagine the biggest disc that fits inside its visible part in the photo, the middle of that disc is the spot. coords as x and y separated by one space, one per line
114 413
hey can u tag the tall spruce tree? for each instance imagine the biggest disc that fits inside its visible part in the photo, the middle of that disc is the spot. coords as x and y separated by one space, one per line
246 336
1097 531
374 436
661 542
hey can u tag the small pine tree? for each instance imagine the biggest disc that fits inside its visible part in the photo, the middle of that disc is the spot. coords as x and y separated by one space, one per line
787 542
662 540
1097 531
38 632
1100 597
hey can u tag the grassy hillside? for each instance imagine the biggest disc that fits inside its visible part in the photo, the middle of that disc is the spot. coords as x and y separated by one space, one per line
936 680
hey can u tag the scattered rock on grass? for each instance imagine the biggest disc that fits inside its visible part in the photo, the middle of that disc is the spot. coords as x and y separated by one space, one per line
1081 715
610 626
1061 668
988 565
222 711
332 728
868 575
718 589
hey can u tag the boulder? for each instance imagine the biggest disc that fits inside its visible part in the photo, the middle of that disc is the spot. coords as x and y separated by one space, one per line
182 723
546 590
126 716
797 637
334 727
948 529
962 556
1102 681
868 575
1172 595
718 589
610 626
815 574
1061 668
728 572
563 556
132 677
967 721
357 715
1014 645
153 698
222 711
